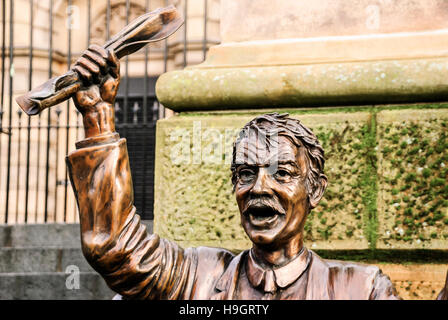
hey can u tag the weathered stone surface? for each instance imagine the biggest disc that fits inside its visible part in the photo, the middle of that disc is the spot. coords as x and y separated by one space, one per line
37 261
416 281
52 286
52 235
294 53
417 45
21 260
193 190
342 218
194 204
40 235
246 20
369 82
413 173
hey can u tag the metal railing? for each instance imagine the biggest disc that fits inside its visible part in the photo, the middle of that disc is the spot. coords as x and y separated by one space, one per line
34 184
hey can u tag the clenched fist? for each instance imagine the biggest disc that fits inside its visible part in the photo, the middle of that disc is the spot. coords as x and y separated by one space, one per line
99 70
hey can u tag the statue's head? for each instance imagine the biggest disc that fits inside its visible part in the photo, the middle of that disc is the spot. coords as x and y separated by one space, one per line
277 174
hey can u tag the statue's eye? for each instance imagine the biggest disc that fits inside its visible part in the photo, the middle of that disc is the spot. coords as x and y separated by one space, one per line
283 175
246 174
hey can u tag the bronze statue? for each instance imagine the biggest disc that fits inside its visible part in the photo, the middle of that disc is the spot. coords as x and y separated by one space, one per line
278 179
274 205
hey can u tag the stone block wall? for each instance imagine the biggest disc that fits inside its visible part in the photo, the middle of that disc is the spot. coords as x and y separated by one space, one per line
413 174
386 201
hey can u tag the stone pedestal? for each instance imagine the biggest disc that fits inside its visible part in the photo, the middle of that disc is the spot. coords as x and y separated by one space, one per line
293 53
369 80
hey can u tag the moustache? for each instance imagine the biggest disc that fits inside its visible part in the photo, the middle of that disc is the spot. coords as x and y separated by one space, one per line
263 203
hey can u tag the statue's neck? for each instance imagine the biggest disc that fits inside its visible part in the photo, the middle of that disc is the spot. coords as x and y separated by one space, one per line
280 254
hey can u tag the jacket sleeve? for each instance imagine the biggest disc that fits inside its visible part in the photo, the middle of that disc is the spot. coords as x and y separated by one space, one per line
383 289
133 263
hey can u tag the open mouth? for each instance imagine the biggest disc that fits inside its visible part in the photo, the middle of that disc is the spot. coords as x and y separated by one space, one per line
262 216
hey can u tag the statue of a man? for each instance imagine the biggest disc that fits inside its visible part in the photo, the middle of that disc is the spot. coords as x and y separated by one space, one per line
277 173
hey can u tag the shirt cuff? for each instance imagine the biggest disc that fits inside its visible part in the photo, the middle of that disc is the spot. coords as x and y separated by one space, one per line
98 140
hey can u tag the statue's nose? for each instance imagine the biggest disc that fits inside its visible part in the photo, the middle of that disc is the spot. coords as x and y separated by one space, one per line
262 184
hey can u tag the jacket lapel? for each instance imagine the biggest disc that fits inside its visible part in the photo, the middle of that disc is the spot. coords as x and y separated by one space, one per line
226 284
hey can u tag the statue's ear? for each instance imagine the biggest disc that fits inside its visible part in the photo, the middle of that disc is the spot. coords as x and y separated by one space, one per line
318 190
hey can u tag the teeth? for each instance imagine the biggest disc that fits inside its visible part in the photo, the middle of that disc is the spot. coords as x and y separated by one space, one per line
262 215
260 218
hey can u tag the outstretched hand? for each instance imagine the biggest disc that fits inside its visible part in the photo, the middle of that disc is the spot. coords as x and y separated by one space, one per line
99 70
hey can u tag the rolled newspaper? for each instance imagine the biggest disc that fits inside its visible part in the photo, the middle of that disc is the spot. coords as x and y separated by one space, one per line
150 27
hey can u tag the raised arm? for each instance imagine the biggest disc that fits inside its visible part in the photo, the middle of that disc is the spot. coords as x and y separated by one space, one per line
114 241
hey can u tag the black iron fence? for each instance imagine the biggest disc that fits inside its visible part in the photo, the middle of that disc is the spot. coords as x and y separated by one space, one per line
41 39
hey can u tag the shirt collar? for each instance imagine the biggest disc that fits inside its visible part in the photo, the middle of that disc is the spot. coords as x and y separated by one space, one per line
270 278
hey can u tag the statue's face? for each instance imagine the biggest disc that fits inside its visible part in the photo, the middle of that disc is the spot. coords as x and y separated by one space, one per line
273 203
